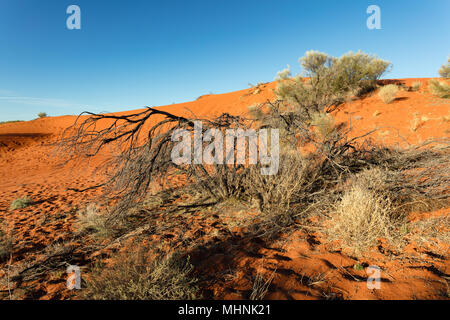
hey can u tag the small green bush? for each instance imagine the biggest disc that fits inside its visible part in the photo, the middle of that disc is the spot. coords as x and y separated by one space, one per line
20 203
444 71
415 86
42 114
388 93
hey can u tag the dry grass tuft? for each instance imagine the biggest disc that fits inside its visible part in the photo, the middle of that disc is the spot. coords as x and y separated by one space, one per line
93 221
388 93
261 286
439 88
366 213
136 275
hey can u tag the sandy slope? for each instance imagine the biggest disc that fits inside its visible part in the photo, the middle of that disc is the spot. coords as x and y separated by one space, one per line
306 266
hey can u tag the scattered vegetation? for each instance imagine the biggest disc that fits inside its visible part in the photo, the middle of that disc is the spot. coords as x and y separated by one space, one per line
261 286
439 88
92 220
10 121
136 275
387 93
20 203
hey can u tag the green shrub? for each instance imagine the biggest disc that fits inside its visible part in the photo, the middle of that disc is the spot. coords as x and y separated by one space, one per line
439 88
444 71
42 114
329 81
20 203
388 93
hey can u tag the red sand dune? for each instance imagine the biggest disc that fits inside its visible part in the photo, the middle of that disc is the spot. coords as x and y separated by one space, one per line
29 167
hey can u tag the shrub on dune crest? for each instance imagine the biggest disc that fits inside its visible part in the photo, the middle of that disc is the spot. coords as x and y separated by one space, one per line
329 80
439 88
444 71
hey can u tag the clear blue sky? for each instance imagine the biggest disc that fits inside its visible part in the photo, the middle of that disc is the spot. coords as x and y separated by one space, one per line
134 53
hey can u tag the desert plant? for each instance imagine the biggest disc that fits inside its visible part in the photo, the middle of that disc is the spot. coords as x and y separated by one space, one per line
135 275
415 86
388 93
439 88
42 114
92 220
364 214
20 203
261 286
329 80
444 71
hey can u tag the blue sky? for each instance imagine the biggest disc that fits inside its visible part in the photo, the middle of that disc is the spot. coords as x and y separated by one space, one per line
129 54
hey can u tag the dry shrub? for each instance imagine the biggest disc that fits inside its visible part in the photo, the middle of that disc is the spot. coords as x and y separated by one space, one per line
276 193
444 71
439 88
415 86
135 275
324 124
6 242
388 93
91 220
365 213
20 203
